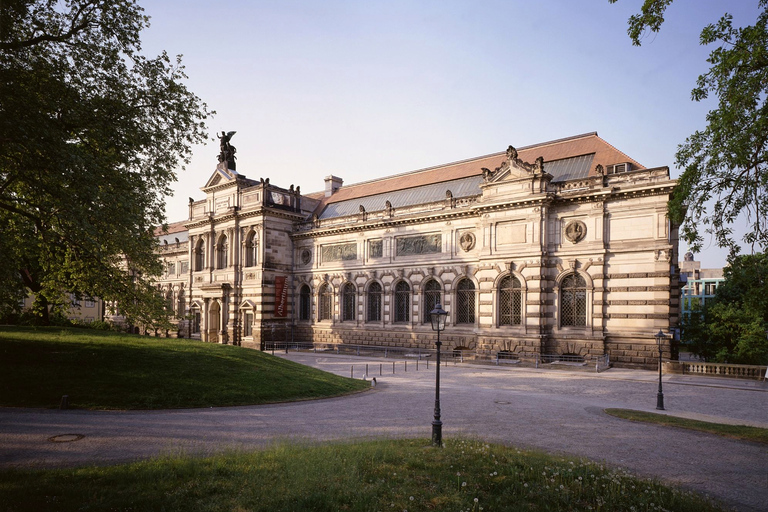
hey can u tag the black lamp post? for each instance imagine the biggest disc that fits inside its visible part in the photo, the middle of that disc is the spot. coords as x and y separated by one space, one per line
438 316
660 396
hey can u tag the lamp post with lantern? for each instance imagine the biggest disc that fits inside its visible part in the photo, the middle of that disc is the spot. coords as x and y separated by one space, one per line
438 316
660 396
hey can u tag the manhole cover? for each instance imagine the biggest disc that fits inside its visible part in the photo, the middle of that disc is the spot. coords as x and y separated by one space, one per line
66 438
502 402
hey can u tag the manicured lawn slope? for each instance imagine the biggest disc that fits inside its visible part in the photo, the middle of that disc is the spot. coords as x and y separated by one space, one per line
367 476
103 370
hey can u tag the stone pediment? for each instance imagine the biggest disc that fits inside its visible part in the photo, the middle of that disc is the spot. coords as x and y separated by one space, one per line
221 176
513 168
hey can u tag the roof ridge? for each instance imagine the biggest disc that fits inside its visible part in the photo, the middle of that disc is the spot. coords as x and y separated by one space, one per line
489 155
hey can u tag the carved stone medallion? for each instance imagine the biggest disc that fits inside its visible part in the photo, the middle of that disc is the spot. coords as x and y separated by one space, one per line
306 256
467 241
575 231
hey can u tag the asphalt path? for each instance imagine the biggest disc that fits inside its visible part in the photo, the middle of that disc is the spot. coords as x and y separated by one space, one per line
558 411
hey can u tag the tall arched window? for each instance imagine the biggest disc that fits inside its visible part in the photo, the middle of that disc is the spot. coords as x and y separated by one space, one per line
374 302
510 301
250 250
221 252
348 302
431 299
465 302
325 301
199 256
402 302
304 303
573 301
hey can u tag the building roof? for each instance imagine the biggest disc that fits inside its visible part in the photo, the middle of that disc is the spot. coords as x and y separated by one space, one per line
566 159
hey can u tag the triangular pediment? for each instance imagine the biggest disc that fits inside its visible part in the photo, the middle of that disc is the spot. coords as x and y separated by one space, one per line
513 168
221 176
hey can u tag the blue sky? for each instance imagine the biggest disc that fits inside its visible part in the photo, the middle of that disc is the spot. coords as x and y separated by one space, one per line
365 89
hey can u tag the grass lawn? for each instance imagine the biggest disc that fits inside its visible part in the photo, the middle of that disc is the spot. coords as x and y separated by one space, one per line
105 370
742 432
368 476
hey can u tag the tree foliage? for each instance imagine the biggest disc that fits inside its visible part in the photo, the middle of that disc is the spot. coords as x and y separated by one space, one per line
732 327
725 165
91 135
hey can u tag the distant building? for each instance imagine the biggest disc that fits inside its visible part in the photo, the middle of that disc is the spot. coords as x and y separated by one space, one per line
699 284
86 309
562 247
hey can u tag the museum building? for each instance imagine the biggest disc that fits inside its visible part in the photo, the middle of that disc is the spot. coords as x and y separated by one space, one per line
562 247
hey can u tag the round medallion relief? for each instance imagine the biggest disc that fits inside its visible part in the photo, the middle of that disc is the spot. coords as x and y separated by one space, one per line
467 241
575 231
306 256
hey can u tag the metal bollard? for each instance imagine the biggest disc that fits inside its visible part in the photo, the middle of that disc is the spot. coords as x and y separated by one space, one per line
380 366
352 372
366 369
417 365
406 366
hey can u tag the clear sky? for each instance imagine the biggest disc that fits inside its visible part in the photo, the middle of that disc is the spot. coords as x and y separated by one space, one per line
366 89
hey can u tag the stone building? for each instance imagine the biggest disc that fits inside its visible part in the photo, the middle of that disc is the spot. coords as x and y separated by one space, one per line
562 247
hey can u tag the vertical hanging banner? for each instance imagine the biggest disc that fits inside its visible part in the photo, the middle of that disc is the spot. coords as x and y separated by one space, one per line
281 297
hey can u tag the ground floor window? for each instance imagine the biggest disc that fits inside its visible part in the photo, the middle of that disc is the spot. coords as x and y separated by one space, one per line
248 324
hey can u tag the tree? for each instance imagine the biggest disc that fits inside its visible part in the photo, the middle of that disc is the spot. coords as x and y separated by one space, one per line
724 164
91 135
732 327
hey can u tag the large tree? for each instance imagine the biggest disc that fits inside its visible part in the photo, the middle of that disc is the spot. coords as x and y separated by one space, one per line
731 328
91 135
725 173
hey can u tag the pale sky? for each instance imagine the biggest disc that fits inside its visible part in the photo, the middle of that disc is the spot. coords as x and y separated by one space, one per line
366 89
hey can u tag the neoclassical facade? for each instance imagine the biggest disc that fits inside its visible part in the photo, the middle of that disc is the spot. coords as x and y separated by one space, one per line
562 247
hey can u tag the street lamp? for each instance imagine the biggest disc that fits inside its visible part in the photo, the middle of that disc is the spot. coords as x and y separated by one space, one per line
660 396
438 316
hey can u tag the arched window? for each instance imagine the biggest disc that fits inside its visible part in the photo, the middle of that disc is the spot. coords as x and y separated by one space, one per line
573 301
304 303
465 302
431 299
199 256
250 250
402 302
374 302
348 302
510 301
325 298
221 252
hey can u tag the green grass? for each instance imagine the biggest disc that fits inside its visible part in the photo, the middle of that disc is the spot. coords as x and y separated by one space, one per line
368 476
103 370
742 432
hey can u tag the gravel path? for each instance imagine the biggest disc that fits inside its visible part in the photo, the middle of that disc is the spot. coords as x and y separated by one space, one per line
557 411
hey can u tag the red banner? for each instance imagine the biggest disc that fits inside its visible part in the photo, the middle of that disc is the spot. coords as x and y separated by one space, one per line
281 297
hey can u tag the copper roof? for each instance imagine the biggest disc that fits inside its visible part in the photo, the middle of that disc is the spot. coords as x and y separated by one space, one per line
585 144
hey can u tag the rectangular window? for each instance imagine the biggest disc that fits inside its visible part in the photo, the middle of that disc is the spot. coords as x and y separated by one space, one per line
184 267
248 324
75 301
90 303
171 269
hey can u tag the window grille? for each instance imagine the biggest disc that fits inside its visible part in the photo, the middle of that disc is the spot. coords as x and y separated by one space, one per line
304 303
349 302
465 302
325 303
431 299
374 302
510 301
573 302
402 302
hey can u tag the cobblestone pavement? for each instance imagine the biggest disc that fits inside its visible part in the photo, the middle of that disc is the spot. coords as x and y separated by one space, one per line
557 411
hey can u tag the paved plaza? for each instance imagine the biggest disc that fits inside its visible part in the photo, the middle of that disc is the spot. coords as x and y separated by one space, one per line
559 411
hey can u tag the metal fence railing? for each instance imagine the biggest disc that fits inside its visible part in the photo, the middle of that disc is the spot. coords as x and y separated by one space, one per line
599 363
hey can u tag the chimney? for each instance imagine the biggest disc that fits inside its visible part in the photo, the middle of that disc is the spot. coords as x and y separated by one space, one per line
332 184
